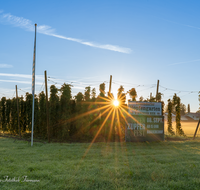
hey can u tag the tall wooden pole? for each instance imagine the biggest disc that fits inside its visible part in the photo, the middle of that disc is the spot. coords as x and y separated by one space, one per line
196 130
47 106
157 90
33 86
110 85
18 112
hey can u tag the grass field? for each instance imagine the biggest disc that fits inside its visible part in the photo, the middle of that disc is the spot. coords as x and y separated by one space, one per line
156 165
188 128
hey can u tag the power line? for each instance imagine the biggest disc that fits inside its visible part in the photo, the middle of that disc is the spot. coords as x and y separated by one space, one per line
178 90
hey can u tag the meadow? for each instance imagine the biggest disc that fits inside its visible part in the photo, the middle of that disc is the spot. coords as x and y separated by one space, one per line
155 165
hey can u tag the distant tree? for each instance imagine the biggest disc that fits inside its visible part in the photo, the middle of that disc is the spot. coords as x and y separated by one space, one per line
79 109
102 89
22 104
65 109
182 109
141 99
29 99
3 113
159 97
54 111
133 94
177 102
169 118
42 130
79 98
36 115
121 95
93 94
8 114
87 94
14 122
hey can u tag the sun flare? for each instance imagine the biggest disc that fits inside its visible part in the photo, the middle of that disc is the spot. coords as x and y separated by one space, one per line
116 103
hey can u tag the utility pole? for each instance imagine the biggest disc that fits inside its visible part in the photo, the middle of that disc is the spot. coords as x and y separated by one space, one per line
18 112
157 90
33 86
196 130
47 106
109 93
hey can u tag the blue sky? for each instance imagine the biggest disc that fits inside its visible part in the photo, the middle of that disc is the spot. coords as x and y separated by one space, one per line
84 42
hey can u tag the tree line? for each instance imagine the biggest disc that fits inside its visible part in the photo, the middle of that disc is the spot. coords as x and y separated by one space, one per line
77 118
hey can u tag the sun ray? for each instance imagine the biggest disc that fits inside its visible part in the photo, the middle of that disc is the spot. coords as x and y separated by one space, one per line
119 125
98 132
130 115
123 116
104 112
111 126
81 115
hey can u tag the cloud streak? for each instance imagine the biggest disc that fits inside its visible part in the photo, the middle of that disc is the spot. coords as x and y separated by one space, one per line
5 66
185 62
20 75
47 30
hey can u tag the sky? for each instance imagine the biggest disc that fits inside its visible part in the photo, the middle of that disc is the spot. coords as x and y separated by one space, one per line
82 43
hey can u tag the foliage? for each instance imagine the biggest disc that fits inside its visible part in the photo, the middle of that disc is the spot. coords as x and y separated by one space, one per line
42 130
102 89
133 94
54 112
177 103
65 110
182 109
169 118
121 95
3 113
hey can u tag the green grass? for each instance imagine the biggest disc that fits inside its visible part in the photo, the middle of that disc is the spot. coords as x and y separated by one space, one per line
156 165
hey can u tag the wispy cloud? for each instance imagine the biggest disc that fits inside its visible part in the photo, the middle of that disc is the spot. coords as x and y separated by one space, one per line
22 82
181 24
47 30
20 75
5 66
185 62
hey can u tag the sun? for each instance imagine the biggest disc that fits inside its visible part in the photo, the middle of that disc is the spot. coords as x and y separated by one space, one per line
116 103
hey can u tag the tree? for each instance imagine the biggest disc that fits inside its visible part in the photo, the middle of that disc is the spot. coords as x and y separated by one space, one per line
169 118
3 113
65 109
176 103
93 94
141 99
22 104
133 94
87 94
159 97
14 122
54 111
8 116
102 89
121 95
42 130
182 109
36 115
29 100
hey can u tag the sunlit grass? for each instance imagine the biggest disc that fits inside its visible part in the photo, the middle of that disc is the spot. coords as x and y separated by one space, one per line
164 165
188 128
